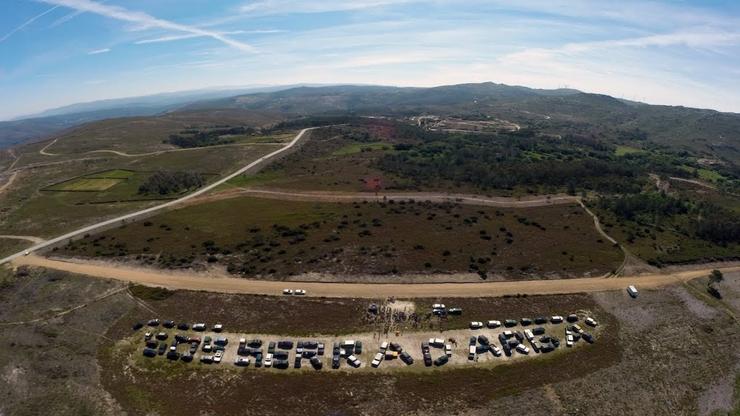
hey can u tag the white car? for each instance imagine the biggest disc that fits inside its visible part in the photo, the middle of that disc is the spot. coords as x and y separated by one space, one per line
438 306
591 321
354 361
287 291
448 350
25 253
496 350
242 361
522 349
476 325
299 292
493 324
556 319
218 327
569 340
528 334
383 347
377 360
148 336
218 356
268 360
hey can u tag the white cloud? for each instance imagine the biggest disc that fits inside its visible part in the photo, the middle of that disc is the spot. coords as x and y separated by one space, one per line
99 51
172 38
145 21
314 6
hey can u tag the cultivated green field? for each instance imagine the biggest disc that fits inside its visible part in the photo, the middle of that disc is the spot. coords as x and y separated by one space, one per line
86 185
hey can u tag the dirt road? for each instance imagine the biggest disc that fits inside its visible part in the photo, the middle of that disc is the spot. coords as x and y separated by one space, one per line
224 284
35 240
325 196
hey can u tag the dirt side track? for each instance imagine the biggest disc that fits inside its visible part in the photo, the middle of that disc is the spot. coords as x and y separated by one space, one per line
223 284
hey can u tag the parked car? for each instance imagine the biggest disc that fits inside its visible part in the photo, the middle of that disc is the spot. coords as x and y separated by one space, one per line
632 291
137 326
299 292
358 347
493 324
383 347
569 340
316 363
353 361
483 340
588 337
438 306
572 318
206 359
510 323
442 360
285 345
268 360
407 358
148 352
476 325
199 327
242 361
556 319
187 358
525 321
522 349
455 311
218 328
395 346
591 322
471 353
377 360
496 351
448 350
287 292
538 330
183 326
540 320
320 348
427 359
162 348
335 361
161 336
168 324
153 322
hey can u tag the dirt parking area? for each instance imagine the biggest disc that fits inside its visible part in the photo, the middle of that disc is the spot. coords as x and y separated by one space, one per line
409 341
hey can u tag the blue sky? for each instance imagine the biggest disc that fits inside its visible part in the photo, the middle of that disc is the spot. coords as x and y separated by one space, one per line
57 52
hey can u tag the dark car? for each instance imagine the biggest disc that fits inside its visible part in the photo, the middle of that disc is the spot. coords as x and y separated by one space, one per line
162 348
187 357
137 326
540 320
152 344
281 364
181 338
394 346
193 347
148 352
321 348
472 341
271 347
161 336
547 347
545 339
255 343
308 354
481 349
506 348
424 346
441 361
168 324
538 330
183 326
358 347
316 363
513 342
555 341
335 361
427 359
288 345
510 323
519 336
572 318
153 322
407 358
280 355
258 360
588 337
483 340
297 362
310 345
173 355
525 321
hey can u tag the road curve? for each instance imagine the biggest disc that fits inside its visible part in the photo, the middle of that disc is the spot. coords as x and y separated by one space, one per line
224 284
150 210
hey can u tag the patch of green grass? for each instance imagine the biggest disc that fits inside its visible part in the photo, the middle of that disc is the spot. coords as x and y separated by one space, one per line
86 185
704 174
623 150
113 174
355 148
246 181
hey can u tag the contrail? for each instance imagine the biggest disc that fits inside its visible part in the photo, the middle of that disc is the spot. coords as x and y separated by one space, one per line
27 22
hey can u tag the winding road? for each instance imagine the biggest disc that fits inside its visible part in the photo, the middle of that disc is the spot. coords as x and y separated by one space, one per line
224 284
122 219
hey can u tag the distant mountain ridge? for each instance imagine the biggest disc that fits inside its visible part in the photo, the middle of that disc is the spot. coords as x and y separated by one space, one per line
714 133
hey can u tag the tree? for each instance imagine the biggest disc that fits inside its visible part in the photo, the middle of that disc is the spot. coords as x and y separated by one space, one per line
715 277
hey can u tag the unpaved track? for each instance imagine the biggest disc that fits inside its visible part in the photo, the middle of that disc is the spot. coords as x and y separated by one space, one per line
223 284
159 152
9 182
321 196
35 240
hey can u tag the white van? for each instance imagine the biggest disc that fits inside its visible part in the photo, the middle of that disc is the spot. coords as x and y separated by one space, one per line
632 291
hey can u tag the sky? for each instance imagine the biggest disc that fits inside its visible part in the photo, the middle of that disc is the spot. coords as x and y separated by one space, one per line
59 52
